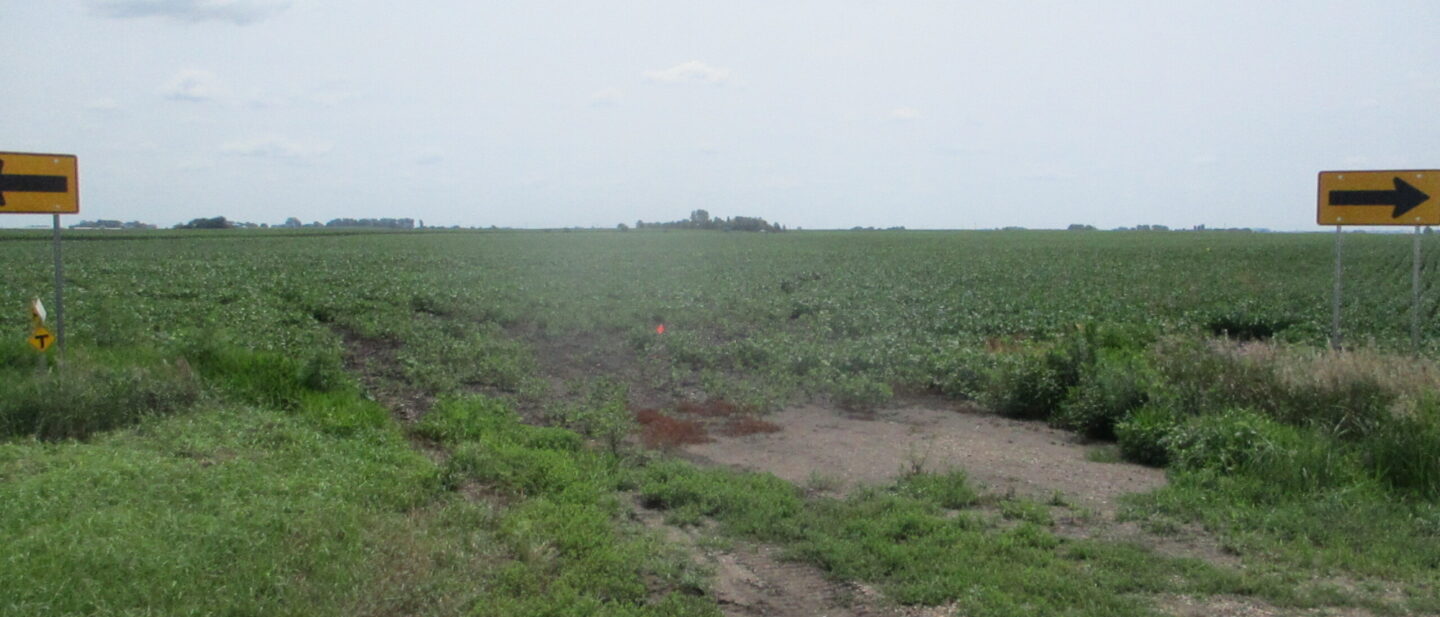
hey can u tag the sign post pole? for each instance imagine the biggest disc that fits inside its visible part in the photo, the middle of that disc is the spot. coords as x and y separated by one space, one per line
1415 293
1335 296
32 183
59 294
1379 197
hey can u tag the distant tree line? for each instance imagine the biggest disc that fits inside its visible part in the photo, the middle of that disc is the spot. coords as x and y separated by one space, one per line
700 219
218 222
1201 227
109 224
387 223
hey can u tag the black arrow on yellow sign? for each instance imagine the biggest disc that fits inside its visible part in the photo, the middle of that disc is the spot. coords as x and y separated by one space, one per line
1404 198
30 183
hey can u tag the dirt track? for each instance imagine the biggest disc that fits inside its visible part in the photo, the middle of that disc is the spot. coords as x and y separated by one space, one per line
1000 455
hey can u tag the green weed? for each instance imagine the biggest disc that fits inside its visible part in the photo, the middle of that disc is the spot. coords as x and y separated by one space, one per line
904 540
1108 389
90 394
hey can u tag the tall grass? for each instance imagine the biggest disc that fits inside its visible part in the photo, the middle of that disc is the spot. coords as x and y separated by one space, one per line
1313 460
90 393
1170 401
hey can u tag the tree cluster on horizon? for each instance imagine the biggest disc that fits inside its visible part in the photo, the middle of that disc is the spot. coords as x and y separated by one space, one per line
701 219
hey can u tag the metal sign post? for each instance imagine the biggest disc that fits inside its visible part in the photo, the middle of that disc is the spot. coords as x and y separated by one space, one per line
59 293
1415 293
33 183
1335 296
1398 197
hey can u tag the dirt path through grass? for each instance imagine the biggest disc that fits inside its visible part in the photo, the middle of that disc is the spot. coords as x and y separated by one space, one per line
829 451
751 580
826 447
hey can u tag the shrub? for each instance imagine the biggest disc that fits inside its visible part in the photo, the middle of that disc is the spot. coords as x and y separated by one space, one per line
1196 378
1348 405
604 414
860 393
1245 326
948 490
1405 452
1144 434
960 372
1024 385
1109 389
1226 441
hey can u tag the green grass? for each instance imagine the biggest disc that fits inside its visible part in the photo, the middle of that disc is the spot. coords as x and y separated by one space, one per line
1353 535
239 510
907 540
572 554
234 510
194 357
92 392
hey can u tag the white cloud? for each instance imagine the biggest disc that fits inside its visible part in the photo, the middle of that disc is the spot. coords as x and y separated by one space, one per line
239 12
608 97
905 113
275 147
693 71
192 85
103 103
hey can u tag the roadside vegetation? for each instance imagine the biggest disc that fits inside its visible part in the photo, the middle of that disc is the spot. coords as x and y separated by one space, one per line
219 437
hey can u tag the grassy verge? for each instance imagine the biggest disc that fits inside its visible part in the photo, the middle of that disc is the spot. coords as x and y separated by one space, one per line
922 542
274 487
571 554
232 510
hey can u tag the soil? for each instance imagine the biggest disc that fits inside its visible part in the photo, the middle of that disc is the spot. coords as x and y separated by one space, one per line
1230 606
752 580
825 448
832 451
818 445
374 362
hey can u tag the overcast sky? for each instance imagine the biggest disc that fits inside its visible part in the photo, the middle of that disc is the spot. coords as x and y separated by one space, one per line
819 114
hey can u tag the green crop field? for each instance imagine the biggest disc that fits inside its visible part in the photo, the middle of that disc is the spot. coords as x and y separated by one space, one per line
443 422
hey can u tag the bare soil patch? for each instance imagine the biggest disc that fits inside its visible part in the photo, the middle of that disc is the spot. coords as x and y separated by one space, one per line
374 362
1002 455
751 580
1231 606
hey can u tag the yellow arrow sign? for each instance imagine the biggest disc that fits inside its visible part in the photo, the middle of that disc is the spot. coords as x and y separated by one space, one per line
41 339
1405 197
38 183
